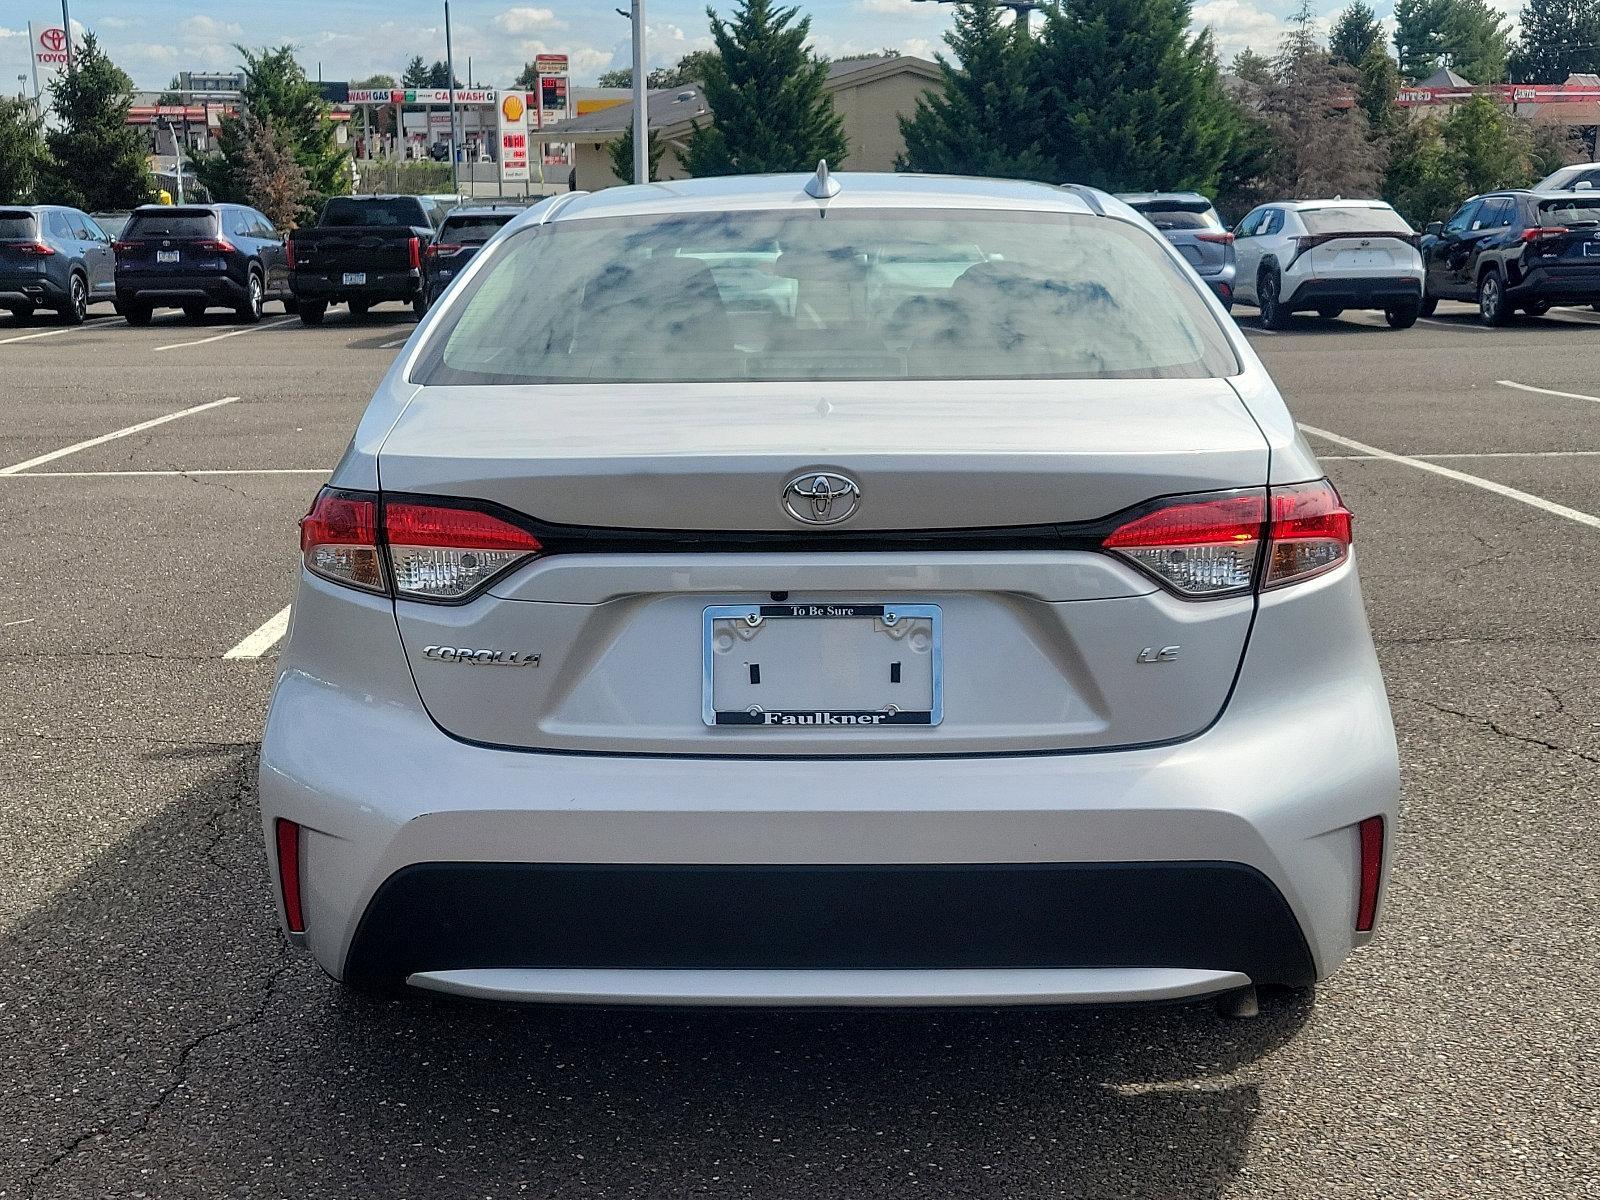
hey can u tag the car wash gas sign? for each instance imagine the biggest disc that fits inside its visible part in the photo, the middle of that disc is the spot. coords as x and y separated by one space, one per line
513 138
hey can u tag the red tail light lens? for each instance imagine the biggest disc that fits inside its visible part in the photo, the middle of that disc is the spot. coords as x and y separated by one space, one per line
1198 545
288 252
1310 533
124 247
416 253
1370 836
38 249
288 837
1533 235
339 539
439 552
1222 239
438 248
215 245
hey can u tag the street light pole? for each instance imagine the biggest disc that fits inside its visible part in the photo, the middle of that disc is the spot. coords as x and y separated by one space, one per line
641 116
450 70
66 27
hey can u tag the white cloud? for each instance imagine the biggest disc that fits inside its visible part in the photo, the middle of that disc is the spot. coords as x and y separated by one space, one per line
919 47
887 6
201 28
526 20
11 33
1238 24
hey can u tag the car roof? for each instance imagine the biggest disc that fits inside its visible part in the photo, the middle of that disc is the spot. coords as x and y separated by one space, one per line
484 210
1138 198
176 207
1336 202
779 192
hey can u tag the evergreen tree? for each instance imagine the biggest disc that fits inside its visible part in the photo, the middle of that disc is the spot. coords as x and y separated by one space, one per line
272 180
1559 38
416 73
1419 36
1421 181
621 152
1477 42
1128 100
97 158
1355 33
769 109
980 121
22 152
1377 87
1251 67
439 76
277 92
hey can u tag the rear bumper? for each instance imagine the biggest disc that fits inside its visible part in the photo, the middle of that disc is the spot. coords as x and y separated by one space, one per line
1558 285
1374 292
177 289
380 285
1220 281
40 291
1121 875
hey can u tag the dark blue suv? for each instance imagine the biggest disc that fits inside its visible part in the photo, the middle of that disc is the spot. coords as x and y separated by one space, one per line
52 257
200 256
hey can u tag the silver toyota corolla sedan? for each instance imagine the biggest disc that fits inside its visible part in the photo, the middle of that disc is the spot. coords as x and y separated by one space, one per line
829 590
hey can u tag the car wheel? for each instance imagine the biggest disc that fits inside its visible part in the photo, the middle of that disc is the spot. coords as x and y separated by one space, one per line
419 303
291 305
77 308
1403 316
1537 309
136 314
1272 313
312 311
359 308
1492 307
194 311
1430 305
1328 314
250 311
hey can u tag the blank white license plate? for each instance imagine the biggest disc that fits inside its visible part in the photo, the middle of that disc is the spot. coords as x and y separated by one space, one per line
354 277
1362 258
837 666
166 256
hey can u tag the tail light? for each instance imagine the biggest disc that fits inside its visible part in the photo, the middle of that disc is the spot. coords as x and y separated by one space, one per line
215 245
416 253
435 551
288 252
39 249
1369 835
124 247
438 248
1211 544
1221 239
1310 533
288 838
1544 231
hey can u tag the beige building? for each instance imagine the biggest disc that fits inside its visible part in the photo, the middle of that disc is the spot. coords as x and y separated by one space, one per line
870 95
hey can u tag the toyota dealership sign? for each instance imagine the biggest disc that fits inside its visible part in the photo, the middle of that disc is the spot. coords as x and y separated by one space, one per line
51 51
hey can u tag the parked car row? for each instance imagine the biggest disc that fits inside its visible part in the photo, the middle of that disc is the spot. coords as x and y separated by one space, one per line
196 257
1518 250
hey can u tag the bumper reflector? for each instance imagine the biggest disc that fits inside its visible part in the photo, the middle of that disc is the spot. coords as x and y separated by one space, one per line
289 874
1371 835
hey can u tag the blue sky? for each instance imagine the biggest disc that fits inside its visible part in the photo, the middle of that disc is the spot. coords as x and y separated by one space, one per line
152 39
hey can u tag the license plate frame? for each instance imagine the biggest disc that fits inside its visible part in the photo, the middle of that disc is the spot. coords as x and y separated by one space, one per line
889 614
354 279
169 256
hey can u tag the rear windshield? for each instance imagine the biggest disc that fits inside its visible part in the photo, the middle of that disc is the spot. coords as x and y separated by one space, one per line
1570 210
344 210
1177 218
860 295
472 229
178 222
16 225
1354 220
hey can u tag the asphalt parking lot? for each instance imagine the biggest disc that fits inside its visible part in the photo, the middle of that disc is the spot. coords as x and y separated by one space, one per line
156 1038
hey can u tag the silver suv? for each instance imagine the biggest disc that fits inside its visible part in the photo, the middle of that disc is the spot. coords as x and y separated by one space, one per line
847 590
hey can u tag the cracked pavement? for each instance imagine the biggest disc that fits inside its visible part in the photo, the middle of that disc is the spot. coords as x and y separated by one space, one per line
158 1039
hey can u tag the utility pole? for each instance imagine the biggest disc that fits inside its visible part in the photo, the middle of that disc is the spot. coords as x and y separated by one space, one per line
450 70
66 26
641 115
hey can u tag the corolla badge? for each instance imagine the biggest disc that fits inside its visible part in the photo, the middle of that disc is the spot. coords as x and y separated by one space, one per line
821 497
492 658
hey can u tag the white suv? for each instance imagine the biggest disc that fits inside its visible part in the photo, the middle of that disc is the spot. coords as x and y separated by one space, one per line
1325 256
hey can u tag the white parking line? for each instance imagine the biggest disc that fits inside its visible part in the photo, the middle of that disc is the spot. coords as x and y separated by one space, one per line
18 468
28 337
1479 454
1528 387
265 638
393 344
220 336
1488 485
182 474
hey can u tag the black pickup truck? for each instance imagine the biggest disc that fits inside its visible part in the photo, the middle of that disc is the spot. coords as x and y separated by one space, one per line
364 250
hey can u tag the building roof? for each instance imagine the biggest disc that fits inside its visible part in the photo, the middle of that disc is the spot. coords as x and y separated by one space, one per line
671 108
1444 77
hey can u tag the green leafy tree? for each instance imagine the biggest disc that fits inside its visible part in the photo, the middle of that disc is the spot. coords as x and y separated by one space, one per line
1377 87
691 68
1251 67
273 180
1421 181
22 152
1559 38
376 82
1477 42
277 92
1419 36
769 108
981 121
1488 146
1355 33
416 73
621 152
171 95
97 160
1128 100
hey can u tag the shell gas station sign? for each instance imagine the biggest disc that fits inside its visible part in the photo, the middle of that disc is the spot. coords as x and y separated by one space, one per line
513 138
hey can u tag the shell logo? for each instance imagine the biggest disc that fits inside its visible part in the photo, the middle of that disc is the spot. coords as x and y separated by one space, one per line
512 107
